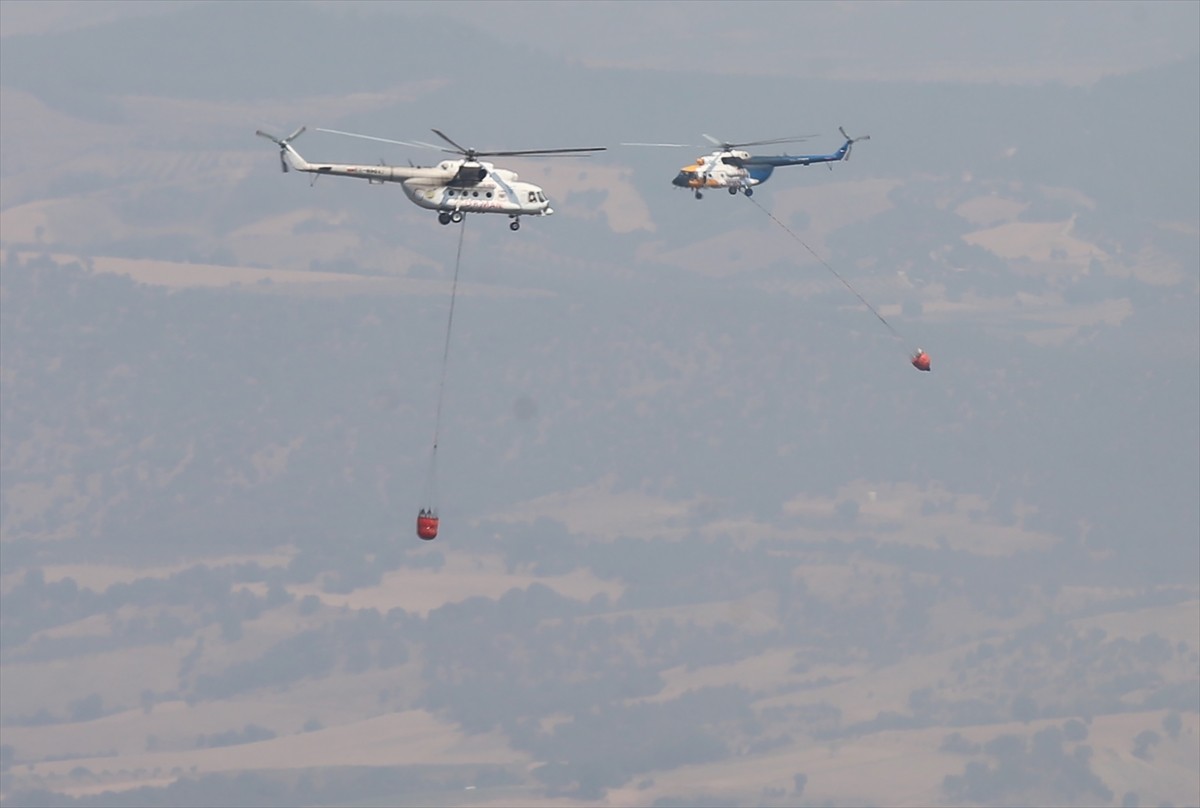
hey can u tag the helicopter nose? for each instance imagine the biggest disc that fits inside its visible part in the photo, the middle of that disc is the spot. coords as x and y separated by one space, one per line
681 180
549 211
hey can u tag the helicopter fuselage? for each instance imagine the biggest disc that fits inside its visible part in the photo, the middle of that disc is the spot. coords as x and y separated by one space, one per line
738 170
452 186
497 191
721 169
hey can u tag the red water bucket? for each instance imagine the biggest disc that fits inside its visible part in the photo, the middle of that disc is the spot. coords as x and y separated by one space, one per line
427 526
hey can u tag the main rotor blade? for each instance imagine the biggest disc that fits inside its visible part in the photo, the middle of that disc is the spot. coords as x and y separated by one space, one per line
725 144
773 141
369 137
669 145
442 135
542 152
471 154
545 155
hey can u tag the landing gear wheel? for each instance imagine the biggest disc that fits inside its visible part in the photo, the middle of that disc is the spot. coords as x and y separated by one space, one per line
699 195
733 190
456 216
444 217
749 192
514 225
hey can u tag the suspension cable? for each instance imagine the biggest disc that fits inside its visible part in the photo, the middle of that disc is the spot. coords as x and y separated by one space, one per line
431 487
832 271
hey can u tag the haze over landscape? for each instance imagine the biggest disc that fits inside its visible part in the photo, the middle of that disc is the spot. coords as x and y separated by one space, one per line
707 538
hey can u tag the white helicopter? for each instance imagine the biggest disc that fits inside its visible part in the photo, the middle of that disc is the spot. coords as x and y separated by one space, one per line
452 187
735 169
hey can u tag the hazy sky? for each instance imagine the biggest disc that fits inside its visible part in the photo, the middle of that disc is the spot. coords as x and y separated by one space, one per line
1073 42
986 41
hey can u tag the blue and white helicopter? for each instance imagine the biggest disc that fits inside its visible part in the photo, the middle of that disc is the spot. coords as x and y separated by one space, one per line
735 169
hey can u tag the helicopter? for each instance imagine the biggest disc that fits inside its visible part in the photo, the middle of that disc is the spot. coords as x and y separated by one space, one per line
735 169
453 188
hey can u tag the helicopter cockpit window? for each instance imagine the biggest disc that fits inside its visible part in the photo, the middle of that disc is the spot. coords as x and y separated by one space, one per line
541 197
532 196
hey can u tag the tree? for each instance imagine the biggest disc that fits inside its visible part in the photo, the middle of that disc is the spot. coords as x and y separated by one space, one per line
1024 709
1075 730
956 744
88 708
1172 724
847 512
1144 742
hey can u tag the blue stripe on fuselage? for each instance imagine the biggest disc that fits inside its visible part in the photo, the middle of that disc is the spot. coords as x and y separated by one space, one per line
798 160
760 172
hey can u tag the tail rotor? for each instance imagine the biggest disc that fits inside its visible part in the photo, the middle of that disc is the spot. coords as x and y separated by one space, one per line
284 144
850 141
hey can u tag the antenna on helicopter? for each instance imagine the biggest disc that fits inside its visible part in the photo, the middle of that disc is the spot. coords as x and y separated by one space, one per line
283 144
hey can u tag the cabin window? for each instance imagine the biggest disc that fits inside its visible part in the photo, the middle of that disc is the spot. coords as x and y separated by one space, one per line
532 196
489 194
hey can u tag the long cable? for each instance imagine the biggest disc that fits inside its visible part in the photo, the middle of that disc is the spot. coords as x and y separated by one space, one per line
833 271
431 488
